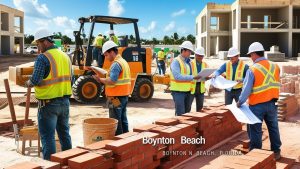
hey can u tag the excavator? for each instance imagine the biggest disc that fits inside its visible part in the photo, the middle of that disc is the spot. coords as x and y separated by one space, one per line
85 88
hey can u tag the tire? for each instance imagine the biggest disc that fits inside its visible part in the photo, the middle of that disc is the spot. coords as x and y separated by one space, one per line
32 52
86 89
143 90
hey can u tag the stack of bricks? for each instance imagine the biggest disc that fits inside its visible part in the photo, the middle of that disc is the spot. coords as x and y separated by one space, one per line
215 125
290 84
287 106
290 70
42 164
255 159
130 152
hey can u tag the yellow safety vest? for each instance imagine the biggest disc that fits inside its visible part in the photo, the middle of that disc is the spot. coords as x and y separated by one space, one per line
195 72
99 40
115 39
179 85
58 82
161 55
238 73
123 85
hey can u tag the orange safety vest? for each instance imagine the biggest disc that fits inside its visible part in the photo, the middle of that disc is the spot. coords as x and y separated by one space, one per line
238 73
123 85
266 82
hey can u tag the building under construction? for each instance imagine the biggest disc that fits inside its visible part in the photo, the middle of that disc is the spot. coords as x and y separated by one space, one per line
12 30
271 22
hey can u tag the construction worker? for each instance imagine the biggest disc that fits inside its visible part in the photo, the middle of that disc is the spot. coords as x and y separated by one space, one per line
261 88
117 86
113 37
198 88
161 62
235 70
51 80
97 50
181 78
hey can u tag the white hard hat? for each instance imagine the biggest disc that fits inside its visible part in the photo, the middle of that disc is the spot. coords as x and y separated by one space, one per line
42 33
200 51
111 32
232 52
108 45
255 47
187 45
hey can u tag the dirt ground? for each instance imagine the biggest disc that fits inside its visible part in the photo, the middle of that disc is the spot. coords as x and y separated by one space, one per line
161 106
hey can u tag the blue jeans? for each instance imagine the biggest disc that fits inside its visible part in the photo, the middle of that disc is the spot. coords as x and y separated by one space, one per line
199 101
161 67
97 55
264 111
120 113
183 102
233 94
54 115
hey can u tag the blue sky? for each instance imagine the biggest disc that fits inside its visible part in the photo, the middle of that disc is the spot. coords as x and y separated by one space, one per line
156 17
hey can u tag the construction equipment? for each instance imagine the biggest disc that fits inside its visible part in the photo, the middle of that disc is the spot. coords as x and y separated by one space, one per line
85 88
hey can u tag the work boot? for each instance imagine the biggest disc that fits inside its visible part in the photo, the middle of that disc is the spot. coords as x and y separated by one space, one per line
277 155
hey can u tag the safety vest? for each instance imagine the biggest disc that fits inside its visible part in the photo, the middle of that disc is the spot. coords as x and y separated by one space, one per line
266 82
161 55
238 73
195 72
99 41
179 85
122 86
58 82
115 39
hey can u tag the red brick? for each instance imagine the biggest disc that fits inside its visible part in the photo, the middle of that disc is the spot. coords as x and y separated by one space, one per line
167 122
137 158
62 157
105 153
171 132
122 164
196 116
85 161
120 146
25 165
144 127
246 143
97 145
280 165
288 161
247 162
125 135
180 118
145 162
190 122
159 129
236 166
46 164
107 164
126 154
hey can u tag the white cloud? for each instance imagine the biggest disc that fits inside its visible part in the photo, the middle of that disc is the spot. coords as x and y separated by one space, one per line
182 30
170 26
115 8
150 28
42 23
63 21
178 13
32 8
193 12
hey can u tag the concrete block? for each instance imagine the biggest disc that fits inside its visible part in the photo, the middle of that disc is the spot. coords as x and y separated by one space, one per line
276 57
223 55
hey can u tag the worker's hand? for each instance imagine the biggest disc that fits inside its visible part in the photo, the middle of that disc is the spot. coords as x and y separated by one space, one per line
197 77
208 77
239 81
238 104
97 78
212 76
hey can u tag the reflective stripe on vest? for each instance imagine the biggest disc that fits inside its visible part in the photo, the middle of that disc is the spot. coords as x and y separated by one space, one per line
238 73
195 72
179 85
266 84
58 82
122 87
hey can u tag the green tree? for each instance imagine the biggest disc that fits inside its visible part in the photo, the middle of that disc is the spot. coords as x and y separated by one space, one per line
28 39
57 35
166 40
155 41
66 40
191 38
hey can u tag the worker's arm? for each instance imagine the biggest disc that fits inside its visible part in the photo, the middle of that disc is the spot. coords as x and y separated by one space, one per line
221 70
175 68
247 88
40 71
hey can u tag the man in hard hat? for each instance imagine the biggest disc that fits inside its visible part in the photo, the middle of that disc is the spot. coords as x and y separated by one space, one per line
198 88
51 80
117 85
234 70
161 62
97 50
113 37
181 79
261 88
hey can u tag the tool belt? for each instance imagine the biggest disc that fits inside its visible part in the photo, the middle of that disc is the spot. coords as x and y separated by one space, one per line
44 102
113 102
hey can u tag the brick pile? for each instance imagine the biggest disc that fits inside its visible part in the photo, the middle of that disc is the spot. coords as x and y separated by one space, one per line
290 84
287 106
290 70
255 159
40 164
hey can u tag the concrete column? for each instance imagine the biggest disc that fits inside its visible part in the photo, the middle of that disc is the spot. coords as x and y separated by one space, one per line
290 34
238 26
208 33
11 30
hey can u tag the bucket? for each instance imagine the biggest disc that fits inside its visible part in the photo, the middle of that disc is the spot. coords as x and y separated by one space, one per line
97 129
